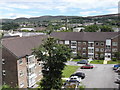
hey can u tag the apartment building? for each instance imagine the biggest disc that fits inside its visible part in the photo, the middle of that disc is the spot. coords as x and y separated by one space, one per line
20 68
91 44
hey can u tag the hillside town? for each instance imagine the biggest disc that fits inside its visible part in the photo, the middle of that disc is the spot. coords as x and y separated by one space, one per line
94 43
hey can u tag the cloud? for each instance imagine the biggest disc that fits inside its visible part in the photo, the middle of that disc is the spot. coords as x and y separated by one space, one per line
83 7
14 15
88 13
113 10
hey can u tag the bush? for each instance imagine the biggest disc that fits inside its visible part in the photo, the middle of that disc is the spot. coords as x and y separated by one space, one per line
85 57
77 57
114 59
101 58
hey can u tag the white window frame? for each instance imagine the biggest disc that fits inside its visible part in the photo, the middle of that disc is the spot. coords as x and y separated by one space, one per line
3 61
67 42
20 62
114 43
21 72
4 72
21 84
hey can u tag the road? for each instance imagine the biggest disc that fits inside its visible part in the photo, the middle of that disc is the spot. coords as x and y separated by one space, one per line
102 76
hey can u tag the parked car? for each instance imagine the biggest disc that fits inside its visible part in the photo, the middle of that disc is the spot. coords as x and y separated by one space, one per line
79 74
71 84
117 70
116 66
117 81
82 62
75 78
87 66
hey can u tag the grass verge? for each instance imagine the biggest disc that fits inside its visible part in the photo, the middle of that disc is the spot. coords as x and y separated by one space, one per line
97 62
113 62
69 70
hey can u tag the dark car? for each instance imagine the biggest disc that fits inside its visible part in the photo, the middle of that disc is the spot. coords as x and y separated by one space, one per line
79 74
87 66
82 62
116 66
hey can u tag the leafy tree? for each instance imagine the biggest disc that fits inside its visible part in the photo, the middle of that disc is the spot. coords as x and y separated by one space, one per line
54 56
91 28
106 28
117 55
8 26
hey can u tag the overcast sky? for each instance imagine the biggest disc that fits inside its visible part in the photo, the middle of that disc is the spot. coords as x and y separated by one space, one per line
35 8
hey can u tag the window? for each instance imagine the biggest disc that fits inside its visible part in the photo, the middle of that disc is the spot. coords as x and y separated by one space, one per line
4 72
31 59
96 49
3 61
20 61
79 48
97 43
73 43
102 43
114 43
96 55
66 42
84 54
114 50
84 43
90 44
90 50
73 49
21 85
60 42
102 50
101 55
84 49
79 43
107 47
21 73
40 73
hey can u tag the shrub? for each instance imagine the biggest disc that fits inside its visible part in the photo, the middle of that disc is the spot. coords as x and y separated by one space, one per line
114 59
77 57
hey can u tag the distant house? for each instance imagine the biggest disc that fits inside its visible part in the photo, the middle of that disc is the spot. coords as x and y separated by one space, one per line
22 34
116 29
87 24
19 66
29 29
79 29
63 28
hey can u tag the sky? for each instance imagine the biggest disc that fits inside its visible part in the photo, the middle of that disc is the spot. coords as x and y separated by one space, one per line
34 8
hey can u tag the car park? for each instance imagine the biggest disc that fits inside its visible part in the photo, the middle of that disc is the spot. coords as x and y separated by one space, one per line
82 62
87 66
115 67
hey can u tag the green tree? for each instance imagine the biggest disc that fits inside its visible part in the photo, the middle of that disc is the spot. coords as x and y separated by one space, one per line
106 28
117 55
91 28
8 26
54 56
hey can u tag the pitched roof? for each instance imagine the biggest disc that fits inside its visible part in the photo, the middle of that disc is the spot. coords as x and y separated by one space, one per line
22 46
84 36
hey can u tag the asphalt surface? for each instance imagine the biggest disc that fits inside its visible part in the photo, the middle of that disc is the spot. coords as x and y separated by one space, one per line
101 76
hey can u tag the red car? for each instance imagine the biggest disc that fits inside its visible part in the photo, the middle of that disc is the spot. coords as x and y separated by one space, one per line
87 66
